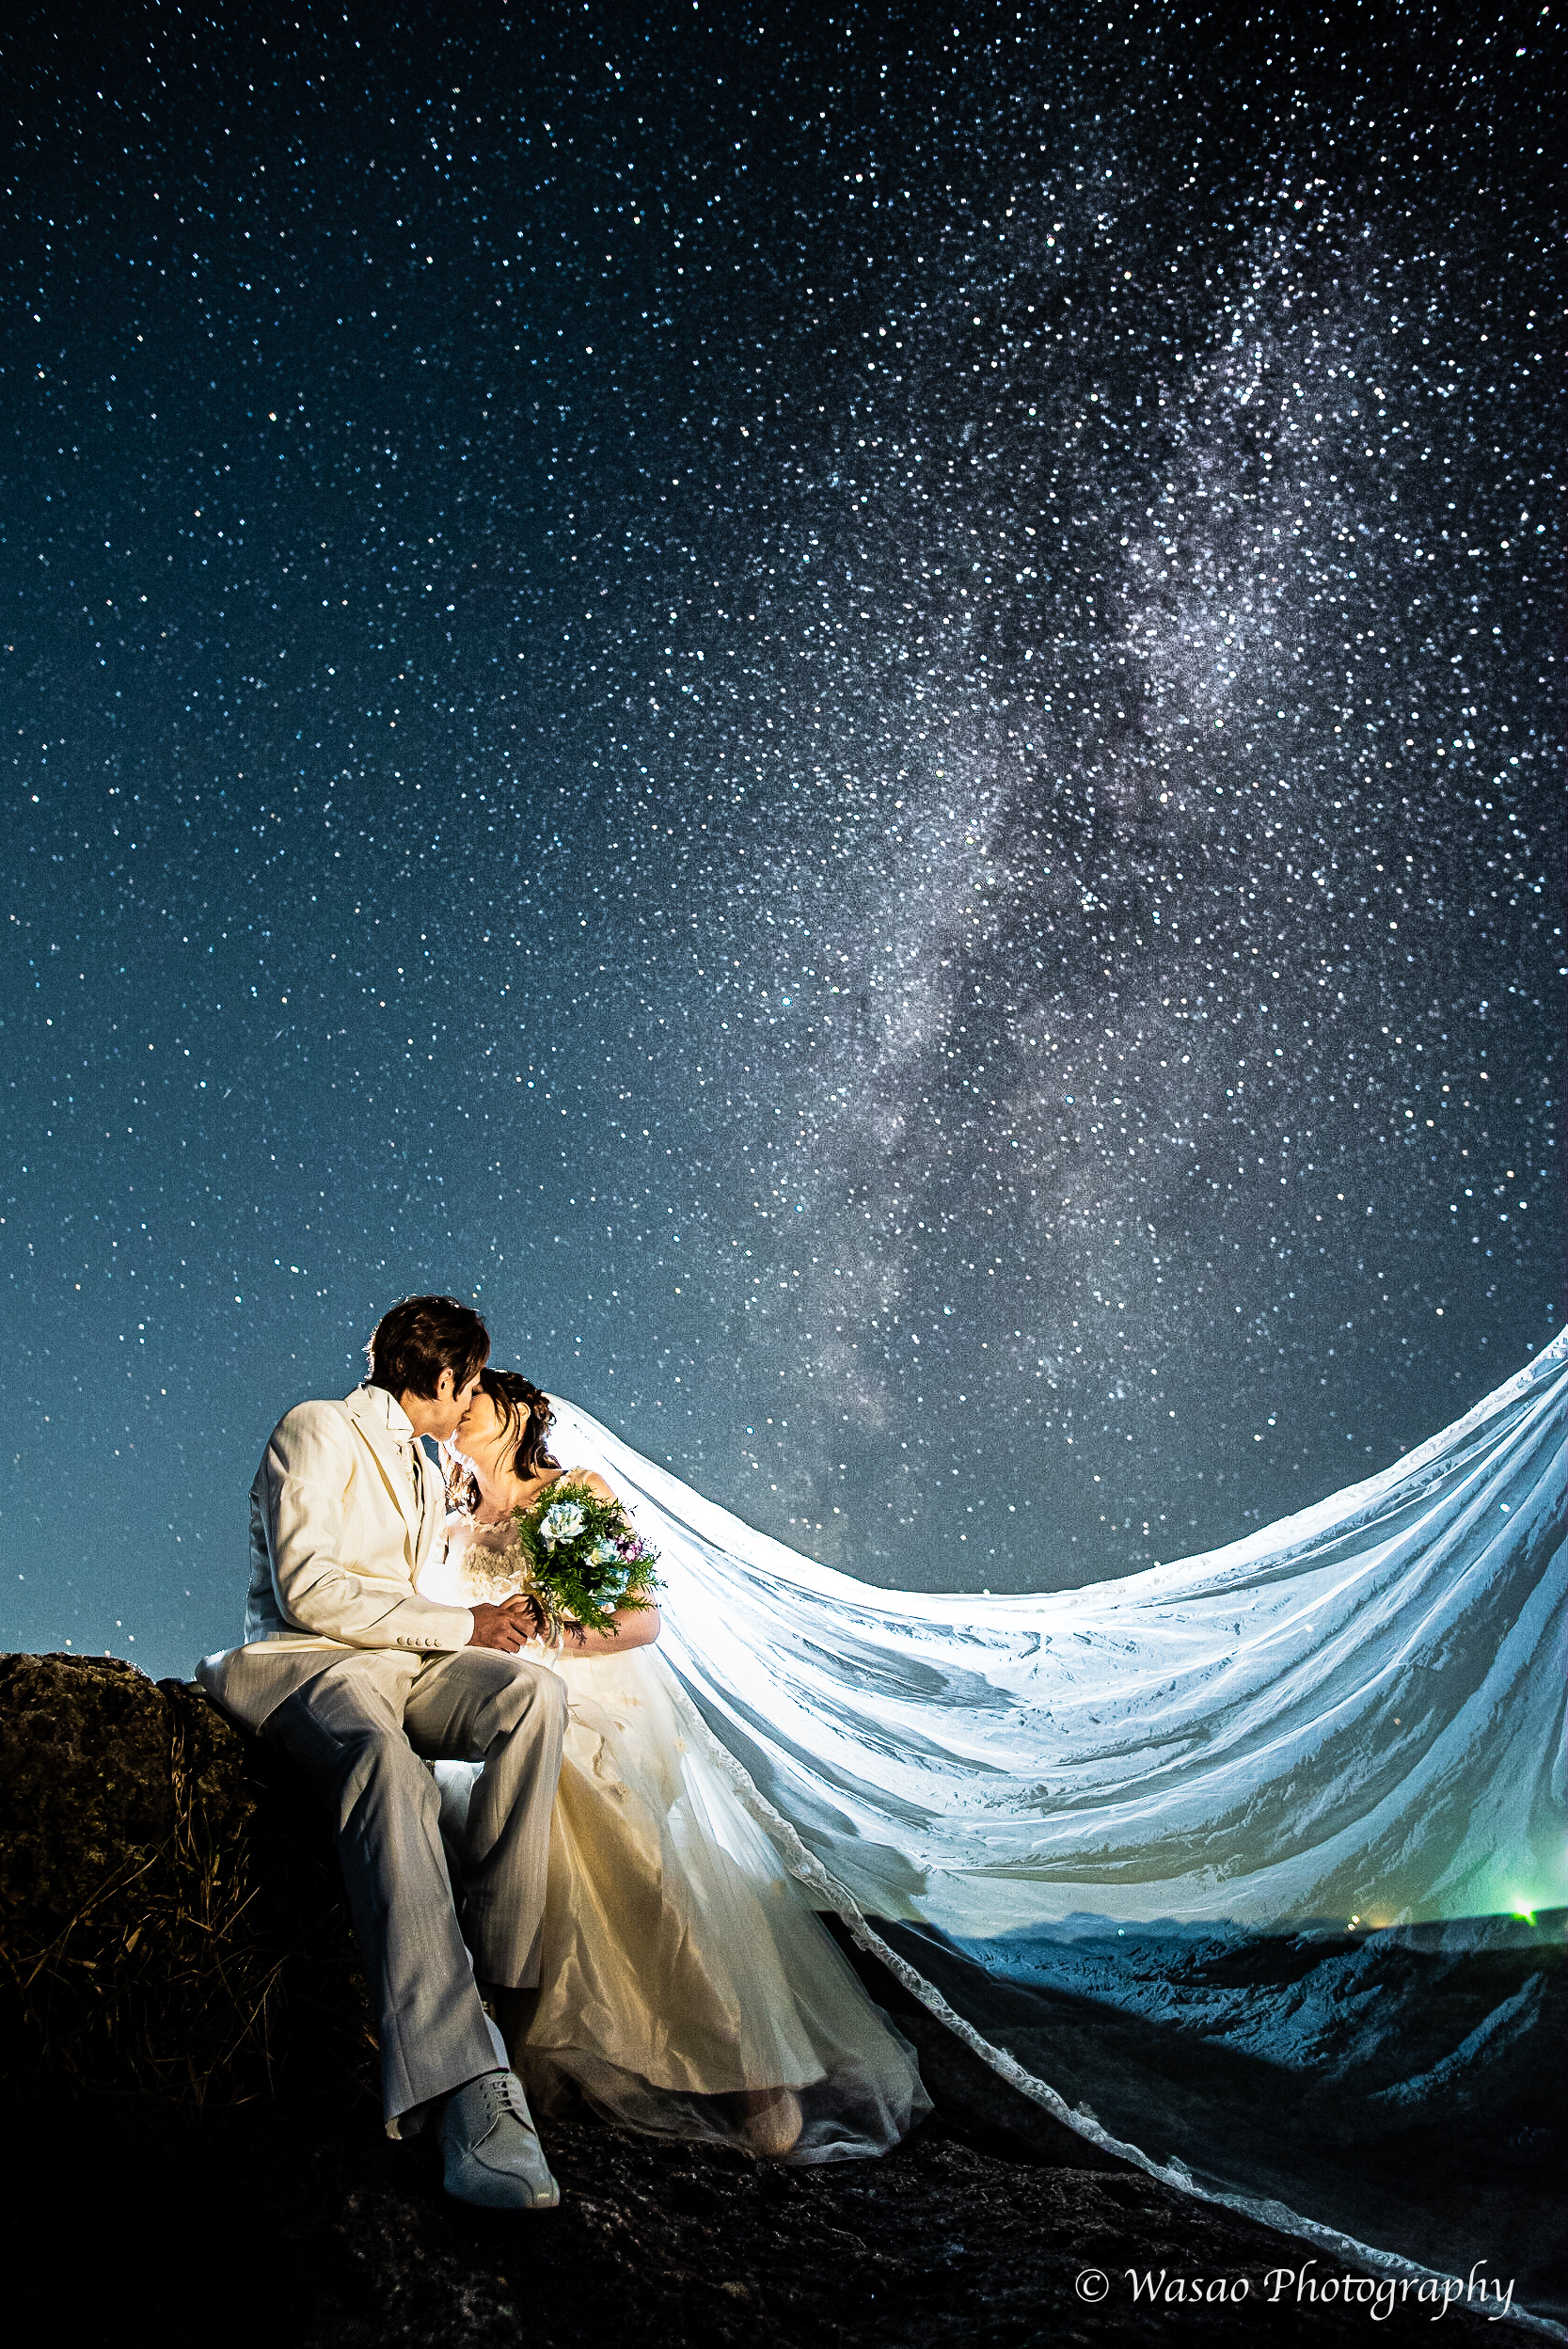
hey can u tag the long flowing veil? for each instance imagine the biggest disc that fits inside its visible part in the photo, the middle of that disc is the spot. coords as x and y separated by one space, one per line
1293 1808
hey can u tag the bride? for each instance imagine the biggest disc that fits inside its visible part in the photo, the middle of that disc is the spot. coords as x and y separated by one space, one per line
687 1988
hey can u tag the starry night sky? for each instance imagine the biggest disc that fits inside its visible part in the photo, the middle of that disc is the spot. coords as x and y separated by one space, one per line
858 718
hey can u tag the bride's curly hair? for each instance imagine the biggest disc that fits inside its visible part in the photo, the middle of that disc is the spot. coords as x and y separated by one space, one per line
525 1412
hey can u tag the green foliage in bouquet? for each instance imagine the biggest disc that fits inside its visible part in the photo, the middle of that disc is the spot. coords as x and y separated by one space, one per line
584 1559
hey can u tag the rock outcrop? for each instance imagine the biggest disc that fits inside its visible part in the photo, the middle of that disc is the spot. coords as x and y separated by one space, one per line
170 1920
195 2146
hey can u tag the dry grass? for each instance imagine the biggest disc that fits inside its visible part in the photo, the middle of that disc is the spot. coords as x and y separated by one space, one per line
170 1919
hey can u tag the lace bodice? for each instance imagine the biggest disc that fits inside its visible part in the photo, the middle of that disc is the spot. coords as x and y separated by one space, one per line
485 1574
488 1565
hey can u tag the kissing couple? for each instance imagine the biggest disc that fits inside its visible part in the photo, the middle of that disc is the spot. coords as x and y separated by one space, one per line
561 1902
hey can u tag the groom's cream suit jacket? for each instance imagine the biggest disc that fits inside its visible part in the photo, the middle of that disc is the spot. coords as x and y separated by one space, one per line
345 1510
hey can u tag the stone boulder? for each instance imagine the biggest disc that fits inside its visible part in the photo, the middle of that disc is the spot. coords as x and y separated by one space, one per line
171 1916
196 2143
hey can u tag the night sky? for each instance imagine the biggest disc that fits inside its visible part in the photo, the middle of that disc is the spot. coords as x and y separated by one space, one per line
858 714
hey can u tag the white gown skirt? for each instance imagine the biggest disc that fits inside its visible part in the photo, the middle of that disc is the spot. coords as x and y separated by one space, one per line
681 1963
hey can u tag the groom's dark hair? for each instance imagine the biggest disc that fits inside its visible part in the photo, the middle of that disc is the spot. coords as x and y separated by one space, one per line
413 1343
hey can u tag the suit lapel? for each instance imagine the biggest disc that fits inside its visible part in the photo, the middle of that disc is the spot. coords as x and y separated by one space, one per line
390 1466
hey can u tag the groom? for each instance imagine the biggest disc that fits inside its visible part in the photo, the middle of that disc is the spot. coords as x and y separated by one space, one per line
357 1678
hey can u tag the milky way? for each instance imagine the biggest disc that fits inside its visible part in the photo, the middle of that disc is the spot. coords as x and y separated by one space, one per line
861 721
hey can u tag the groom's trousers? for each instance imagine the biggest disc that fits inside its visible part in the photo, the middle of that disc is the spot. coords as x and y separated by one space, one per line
362 1731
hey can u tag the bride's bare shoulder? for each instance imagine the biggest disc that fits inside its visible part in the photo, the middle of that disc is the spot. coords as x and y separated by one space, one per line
551 1478
589 1477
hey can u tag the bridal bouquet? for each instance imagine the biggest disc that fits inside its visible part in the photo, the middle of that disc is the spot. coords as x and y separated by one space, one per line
581 1560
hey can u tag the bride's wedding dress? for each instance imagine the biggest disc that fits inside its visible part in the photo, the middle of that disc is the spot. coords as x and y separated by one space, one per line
1264 1847
684 1974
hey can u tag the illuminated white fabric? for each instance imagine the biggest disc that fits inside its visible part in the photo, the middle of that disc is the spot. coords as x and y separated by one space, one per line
681 1963
1357 1712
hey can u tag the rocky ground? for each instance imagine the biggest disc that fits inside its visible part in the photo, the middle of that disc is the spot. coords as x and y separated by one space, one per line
268 2226
194 2148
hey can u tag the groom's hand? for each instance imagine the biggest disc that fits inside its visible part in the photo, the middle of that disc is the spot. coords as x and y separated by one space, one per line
508 1626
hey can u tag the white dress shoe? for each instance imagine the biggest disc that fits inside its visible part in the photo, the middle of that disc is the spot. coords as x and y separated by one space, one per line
490 2149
